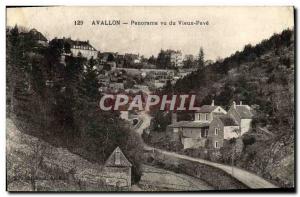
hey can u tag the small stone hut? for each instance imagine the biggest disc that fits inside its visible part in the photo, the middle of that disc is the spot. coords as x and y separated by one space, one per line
118 170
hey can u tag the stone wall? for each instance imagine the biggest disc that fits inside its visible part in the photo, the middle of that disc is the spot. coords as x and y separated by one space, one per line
215 177
118 177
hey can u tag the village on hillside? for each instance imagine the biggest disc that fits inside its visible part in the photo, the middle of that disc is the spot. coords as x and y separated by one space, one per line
211 125
59 139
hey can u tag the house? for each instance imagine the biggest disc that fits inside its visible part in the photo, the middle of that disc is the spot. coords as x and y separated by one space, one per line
208 112
117 170
39 37
211 126
76 47
222 127
83 48
243 114
132 58
36 36
191 134
197 133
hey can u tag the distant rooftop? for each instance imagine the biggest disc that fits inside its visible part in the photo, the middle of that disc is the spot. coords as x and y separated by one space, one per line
81 43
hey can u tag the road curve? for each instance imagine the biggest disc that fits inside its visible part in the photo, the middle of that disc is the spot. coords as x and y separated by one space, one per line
249 179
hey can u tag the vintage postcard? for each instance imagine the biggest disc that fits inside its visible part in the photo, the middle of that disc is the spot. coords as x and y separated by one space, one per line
150 99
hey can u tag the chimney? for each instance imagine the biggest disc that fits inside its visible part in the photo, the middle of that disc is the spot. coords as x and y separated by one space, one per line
174 117
117 157
213 103
234 105
241 103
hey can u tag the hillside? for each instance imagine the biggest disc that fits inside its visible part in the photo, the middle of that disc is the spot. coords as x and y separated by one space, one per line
55 99
261 76
35 165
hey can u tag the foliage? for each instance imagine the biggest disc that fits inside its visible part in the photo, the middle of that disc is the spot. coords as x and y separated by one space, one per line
55 97
160 121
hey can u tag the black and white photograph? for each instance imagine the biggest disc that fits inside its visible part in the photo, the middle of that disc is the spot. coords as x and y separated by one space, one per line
150 99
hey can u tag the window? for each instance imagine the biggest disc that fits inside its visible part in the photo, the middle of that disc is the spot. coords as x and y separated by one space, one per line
206 116
204 133
216 131
216 144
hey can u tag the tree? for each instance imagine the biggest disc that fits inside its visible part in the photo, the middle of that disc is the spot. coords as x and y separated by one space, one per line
163 59
189 61
201 58
160 121
152 60
90 84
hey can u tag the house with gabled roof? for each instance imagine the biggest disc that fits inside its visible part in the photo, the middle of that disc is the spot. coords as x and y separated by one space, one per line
194 134
83 48
222 127
77 48
243 115
211 126
36 36
208 112
117 170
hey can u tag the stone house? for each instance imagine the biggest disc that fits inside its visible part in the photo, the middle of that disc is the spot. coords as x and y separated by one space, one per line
117 170
211 126
195 134
191 134
222 127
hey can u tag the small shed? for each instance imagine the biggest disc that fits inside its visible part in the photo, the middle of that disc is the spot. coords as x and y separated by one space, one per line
118 170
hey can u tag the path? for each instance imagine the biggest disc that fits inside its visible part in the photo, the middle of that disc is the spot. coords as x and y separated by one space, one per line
249 179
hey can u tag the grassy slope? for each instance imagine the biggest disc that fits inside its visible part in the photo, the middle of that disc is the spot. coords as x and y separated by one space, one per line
59 170
64 171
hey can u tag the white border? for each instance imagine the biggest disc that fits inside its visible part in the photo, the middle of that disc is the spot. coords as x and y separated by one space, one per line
4 3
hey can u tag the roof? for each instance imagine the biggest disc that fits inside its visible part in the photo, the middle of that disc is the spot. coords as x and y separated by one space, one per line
80 43
36 35
190 124
244 111
228 121
112 160
207 108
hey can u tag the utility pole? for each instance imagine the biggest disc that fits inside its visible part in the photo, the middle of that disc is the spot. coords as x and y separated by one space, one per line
232 157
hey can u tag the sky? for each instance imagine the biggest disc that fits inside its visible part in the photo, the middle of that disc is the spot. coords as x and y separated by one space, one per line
229 28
